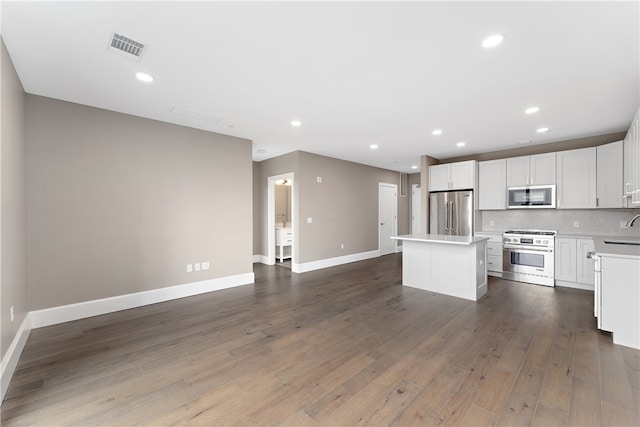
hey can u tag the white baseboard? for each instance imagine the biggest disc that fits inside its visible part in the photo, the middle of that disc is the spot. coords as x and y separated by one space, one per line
66 313
573 285
10 359
262 259
332 262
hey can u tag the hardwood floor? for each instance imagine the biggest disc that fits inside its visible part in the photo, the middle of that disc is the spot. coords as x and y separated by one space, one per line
341 346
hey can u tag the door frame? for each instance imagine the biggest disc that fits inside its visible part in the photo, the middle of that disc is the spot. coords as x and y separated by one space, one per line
416 198
394 231
271 217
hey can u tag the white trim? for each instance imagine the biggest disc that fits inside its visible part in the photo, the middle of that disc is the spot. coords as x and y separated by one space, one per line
271 216
332 262
11 357
394 231
262 259
575 285
66 313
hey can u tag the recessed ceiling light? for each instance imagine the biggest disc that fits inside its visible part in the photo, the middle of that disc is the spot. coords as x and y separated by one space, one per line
542 130
461 144
296 123
437 132
374 146
414 167
144 77
532 110
492 41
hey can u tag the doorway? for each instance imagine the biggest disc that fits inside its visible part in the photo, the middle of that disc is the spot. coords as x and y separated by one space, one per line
387 217
281 219
416 209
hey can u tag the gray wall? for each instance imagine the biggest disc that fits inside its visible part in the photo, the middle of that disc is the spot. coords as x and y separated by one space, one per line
120 204
344 207
13 200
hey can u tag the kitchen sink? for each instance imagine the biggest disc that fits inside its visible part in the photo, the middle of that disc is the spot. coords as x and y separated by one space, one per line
623 242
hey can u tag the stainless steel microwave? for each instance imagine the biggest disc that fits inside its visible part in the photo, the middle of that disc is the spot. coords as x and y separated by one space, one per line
533 196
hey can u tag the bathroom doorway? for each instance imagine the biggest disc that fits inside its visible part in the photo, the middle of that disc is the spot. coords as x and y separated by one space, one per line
280 224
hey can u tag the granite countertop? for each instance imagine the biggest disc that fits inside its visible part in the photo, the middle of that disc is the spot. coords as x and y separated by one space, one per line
441 238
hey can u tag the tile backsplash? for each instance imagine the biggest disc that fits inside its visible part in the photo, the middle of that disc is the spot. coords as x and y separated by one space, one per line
591 221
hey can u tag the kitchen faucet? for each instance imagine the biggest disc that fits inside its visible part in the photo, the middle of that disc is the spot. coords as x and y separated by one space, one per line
632 220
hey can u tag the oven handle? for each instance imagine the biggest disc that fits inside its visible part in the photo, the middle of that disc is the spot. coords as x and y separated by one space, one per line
521 249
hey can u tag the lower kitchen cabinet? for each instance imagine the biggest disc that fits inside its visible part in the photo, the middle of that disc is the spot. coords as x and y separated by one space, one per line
617 298
572 267
494 253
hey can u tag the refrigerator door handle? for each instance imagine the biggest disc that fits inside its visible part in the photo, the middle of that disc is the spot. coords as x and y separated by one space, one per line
450 219
446 216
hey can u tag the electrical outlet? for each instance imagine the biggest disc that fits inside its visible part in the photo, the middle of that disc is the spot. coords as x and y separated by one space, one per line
492 222
12 314
319 179
309 220
341 245
197 266
205 265
576 224
189 268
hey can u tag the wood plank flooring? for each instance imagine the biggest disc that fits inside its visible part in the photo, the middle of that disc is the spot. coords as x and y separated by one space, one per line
341 346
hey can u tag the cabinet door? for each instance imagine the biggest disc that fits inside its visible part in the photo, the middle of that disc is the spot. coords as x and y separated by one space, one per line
492 184
577 179
584 266
565 257
518 171
609 175
439 177
542 169
462 175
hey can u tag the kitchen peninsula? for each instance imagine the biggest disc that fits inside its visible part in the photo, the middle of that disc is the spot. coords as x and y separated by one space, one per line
450 265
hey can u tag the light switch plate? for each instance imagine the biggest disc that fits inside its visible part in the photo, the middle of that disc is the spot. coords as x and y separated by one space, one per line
309 220
197 266
319 179
189 268
205 265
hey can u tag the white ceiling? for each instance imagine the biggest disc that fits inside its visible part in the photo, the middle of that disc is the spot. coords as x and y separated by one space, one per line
354 73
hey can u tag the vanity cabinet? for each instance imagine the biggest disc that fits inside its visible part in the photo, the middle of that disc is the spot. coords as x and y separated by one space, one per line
539 169
452 176
576 179
284 240
492 185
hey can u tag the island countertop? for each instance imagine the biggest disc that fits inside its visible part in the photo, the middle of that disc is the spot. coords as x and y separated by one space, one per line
441 238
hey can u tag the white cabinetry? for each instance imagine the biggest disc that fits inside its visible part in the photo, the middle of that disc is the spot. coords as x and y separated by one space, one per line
539 169
632 164
494 253
284 240
617 297
576 179
452 176
609 186
572 268
492 184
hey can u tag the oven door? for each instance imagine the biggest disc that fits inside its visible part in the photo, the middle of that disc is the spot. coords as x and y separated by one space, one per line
528 265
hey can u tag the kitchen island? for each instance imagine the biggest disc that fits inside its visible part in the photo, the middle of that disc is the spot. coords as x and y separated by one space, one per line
450 265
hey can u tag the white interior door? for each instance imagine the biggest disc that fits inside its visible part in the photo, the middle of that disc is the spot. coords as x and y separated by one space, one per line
387 218
416 209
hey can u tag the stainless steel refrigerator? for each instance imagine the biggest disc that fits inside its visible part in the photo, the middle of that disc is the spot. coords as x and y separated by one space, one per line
451 212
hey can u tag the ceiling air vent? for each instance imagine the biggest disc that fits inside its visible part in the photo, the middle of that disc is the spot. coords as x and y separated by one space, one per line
126 47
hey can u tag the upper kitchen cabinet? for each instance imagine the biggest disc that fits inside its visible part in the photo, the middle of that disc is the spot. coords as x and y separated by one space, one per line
452 176
632 164
609 176
492 185
539 169
576 179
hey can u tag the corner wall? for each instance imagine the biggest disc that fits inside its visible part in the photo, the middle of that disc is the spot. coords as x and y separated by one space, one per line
13 221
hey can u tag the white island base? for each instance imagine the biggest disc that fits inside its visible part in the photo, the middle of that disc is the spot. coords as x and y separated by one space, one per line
450 265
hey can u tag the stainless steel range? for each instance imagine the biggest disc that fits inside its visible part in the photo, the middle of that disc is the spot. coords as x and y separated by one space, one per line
528 256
